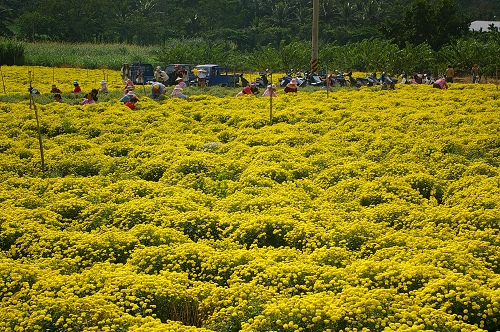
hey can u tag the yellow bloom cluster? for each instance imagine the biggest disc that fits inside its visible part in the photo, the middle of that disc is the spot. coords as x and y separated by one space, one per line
369 210
17 79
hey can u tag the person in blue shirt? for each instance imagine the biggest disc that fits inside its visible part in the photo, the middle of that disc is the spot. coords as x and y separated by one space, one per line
157 90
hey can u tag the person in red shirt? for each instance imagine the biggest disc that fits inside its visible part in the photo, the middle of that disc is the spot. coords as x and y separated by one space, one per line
77 87
131 103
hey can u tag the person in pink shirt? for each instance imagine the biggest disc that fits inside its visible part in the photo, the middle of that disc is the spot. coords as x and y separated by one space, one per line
88 100
270 90
440 83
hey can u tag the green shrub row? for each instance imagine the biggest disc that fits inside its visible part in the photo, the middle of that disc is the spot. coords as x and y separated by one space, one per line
11 52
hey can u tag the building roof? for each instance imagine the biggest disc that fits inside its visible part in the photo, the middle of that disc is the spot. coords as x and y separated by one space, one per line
483 25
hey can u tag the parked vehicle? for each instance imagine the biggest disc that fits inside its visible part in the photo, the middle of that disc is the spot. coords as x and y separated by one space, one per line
218 75
314 79
169 69
146 69
262 81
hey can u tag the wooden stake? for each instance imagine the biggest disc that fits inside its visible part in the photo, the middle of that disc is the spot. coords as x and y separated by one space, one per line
39 134
271 101
327 83
3 83
32 103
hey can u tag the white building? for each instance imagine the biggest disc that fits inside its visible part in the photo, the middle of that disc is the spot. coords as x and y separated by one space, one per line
483 25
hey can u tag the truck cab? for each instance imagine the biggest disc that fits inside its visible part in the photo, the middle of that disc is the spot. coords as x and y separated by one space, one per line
218 75
145 68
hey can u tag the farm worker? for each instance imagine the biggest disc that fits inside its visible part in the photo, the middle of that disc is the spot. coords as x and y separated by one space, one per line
449 73
270 90
88 100
139 78
58 98
94 93
202 76
291 86
104 87
177 92
251 89
131 103
184 74
125 72
176 73
55 89
246 91
476 74
180 82
157 90
440 83
129 85
160 75
129 95
77 87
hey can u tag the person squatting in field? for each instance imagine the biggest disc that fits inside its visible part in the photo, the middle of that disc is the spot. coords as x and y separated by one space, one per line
89 99
129 95
177 92
157 90
270 90
132 103
251 89
440 83
291 86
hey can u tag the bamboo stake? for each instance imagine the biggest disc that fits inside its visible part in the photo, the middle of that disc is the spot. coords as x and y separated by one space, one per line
327 83
271 101
32 103
3 83
39 134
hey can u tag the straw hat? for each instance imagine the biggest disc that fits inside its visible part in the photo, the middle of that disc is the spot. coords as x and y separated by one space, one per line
293 81
178 79
103 82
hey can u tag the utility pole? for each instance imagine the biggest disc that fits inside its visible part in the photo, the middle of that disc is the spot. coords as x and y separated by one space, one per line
315 32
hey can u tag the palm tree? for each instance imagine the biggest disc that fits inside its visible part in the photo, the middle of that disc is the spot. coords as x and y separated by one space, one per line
5 20
347 13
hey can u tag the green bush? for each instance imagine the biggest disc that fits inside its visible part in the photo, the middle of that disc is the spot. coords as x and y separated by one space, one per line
11 52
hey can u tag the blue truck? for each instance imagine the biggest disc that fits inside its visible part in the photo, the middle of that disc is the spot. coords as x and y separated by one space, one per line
146 69
217 76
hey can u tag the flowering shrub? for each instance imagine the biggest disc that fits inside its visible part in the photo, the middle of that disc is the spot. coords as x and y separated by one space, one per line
367 211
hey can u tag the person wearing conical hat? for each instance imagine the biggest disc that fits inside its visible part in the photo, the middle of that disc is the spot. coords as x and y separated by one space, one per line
104 87
292 86
177 92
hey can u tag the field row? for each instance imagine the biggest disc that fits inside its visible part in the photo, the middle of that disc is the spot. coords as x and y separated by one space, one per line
364 211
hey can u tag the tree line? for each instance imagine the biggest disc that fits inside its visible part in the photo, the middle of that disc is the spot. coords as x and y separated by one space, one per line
392 35
246 24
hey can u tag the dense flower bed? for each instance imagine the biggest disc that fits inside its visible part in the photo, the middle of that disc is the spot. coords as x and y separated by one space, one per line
367 211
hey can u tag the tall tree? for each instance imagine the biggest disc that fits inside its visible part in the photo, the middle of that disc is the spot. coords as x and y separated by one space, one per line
426 22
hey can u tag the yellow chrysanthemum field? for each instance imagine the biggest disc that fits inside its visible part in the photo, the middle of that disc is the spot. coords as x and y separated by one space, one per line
368 210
